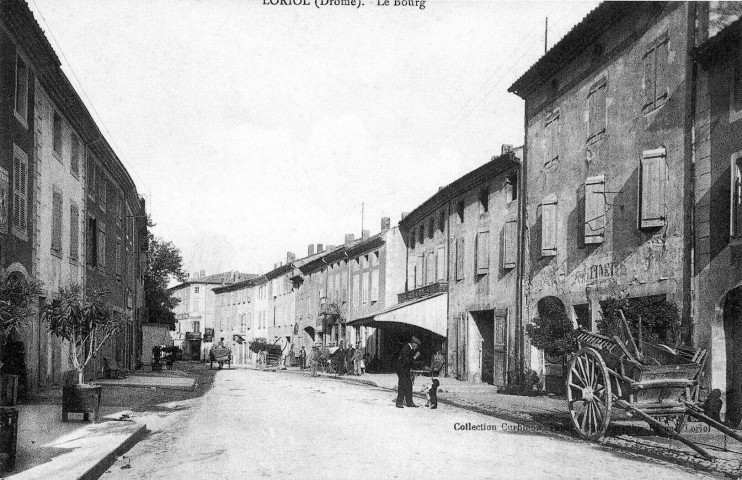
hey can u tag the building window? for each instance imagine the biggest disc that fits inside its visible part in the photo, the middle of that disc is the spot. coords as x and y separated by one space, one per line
102 191
652 188
75 156
511 187
356 289
459 258
57 134
510 243
195 290
412 240
460 210
20 190
484 201
596 119
374 259
56 221
119 257
595 209
549 226
91 170
92 243
656 89
364 288
74 232
551 143
442 221
21 90
101 245
375 285
736 223
440 264
483 253
421 234
431 227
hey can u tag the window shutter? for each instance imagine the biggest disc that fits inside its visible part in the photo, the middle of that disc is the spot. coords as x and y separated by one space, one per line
483 253
356 288
431 268
597 113
459 258
375 285
441 264
16 192
419 278
653 184
510 239
595 209
74 232
552 138
57 221
661 72
549 226
649 73
365 287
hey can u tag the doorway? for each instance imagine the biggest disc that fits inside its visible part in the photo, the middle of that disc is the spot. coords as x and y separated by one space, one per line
733 336
484 344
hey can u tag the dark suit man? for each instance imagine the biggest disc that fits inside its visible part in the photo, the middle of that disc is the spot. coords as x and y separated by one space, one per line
404 372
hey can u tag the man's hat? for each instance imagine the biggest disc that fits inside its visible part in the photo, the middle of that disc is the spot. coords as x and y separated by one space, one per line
415 340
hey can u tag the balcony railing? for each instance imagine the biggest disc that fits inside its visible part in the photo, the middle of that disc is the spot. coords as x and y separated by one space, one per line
424 291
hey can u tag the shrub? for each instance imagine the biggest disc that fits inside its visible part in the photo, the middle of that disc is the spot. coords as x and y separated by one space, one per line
660 318
552 331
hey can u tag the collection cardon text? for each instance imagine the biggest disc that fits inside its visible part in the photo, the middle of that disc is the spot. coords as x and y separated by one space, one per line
419 4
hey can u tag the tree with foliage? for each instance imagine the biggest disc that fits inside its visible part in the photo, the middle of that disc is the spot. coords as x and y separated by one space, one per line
17 296
85 320
164 263
552 331
660 319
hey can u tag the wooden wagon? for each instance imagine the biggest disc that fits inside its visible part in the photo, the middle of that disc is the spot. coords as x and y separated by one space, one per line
655 383
221 356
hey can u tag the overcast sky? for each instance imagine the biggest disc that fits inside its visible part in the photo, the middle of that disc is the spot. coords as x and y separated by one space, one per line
254 129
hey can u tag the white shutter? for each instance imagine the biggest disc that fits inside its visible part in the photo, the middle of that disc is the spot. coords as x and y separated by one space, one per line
441 264
510 241
375 285
595 209
549 226
483 253
652 185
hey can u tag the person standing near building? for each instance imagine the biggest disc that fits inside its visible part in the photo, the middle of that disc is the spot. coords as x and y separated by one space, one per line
358 360
349 354
302 358
407 357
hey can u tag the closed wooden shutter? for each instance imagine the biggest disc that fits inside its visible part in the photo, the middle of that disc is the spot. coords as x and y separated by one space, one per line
102 244
549 226
440 270
419 272
375 285
653 184
552 138
661 73
365 287
74 231
597 112
20 194
57 222
459 258
431 265
595 209
483 253
356 289
510 241
649 73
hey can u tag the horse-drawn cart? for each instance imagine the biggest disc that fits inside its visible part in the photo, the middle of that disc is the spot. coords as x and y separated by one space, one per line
221 356
655 383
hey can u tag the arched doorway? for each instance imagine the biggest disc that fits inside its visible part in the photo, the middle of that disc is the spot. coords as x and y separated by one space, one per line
310 333
553 307
733 346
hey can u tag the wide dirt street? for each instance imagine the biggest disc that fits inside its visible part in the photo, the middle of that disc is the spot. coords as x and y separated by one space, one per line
278 425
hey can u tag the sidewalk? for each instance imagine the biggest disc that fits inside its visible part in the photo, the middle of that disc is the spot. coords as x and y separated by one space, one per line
550 415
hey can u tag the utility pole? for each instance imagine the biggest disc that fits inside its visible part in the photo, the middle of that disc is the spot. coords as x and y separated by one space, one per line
546 36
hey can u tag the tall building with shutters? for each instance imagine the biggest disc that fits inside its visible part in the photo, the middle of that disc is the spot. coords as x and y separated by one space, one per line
461 286
608 167
51 153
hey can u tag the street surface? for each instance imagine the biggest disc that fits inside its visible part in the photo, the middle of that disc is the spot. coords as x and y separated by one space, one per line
278 425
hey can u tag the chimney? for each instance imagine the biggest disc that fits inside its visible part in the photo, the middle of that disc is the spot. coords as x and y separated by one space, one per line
366 234
310 249
320 248
386 224
202 274
404 214
506 148
290 257
349 237
275 265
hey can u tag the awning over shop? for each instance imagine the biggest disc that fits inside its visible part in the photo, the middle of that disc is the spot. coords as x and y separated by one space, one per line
430 313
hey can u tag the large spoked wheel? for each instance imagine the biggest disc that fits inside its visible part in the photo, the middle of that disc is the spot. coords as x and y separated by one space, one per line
589 394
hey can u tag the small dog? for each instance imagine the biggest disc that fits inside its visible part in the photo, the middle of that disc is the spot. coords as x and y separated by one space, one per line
431 393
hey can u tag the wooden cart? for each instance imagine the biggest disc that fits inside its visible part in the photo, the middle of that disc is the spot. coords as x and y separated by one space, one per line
652 382
221 356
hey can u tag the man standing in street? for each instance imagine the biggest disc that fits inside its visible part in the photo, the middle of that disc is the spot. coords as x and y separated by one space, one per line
302 358
407 357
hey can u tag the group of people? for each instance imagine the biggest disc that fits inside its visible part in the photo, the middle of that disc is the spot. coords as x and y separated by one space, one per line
350 361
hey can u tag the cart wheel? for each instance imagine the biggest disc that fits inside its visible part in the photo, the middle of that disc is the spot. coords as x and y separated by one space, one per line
589 394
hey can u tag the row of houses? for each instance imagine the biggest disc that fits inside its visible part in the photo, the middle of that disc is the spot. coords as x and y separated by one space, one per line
628 184
69 210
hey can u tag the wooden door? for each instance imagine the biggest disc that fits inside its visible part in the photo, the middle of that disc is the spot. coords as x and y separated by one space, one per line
500 348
